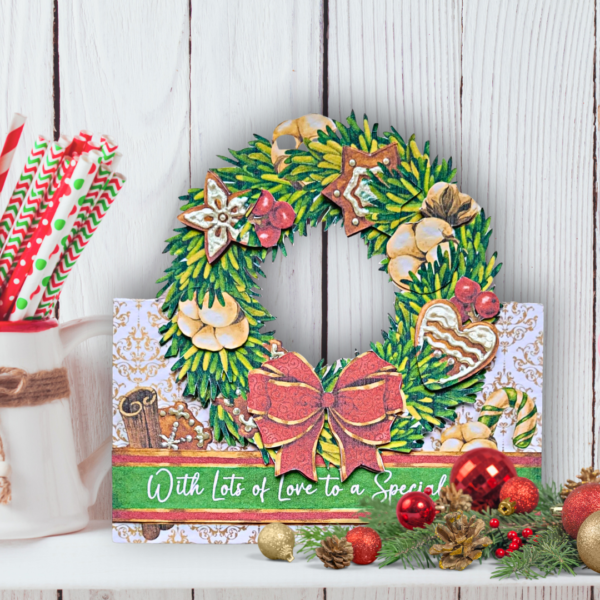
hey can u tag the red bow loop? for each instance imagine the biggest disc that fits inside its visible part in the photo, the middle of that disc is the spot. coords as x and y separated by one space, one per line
289 404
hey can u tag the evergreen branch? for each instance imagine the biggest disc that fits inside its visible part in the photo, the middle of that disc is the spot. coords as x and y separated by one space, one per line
551 553
310 538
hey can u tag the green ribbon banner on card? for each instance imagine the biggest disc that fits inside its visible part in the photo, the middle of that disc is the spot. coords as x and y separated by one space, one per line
236 487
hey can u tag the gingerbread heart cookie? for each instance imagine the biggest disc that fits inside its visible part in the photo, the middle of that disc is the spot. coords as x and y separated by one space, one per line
466 349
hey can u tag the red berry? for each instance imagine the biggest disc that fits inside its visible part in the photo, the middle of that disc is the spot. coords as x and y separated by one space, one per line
514 546
428 491
500 553
487 305
466 290
268 235
264 204
494 523
462 309
527 532
511 535
509 550
282 215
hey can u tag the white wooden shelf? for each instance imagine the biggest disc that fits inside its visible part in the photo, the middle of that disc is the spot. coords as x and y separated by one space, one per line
91 560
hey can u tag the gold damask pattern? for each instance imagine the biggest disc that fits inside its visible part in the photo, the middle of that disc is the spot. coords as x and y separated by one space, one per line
138 360
518 364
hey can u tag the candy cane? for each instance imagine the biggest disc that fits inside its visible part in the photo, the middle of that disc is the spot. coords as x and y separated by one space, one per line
525 408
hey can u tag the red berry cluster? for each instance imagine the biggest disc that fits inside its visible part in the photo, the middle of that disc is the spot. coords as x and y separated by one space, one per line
472 303
271 216
515 542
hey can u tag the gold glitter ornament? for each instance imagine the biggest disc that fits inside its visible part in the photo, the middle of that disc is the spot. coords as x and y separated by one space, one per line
588 542
276 541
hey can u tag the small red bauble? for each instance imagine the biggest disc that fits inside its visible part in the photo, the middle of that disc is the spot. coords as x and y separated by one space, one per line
579 505
523 492
500 553
487 305
282 215
428 491
494 523
466 290
415 509
511 535
264 204
366 543
267 235
527 533
514 546
481 473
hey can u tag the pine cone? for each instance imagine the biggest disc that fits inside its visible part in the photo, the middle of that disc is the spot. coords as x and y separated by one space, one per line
454 499
462 542
335 553
588 475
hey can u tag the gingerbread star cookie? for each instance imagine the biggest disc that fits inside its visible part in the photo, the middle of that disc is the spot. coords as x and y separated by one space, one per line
351 191
218 216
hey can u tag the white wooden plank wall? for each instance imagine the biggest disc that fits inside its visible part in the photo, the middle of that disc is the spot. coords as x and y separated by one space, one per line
509 90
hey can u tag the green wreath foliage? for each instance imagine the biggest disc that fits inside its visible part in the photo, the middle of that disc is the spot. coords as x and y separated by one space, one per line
397 198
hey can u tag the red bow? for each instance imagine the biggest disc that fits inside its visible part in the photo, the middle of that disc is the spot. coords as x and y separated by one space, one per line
289 400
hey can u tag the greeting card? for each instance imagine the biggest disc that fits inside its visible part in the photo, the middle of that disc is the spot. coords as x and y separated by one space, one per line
219 428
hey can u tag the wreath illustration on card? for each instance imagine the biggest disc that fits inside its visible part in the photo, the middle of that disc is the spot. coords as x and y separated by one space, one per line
429 237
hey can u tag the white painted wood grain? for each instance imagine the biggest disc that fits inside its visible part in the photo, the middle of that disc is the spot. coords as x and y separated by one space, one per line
527 158
400 64
27 595
527 593
399 593
595 408
254 65
124 70
25 77
260 594
127 594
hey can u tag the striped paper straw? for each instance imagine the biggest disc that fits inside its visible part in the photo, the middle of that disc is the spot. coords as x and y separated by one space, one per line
20 193
23 264
54 159
86 206
52 246
84 133
116 161
27 213
108 148
77 246
10 145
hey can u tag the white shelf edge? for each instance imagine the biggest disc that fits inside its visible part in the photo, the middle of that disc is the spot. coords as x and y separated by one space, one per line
91 560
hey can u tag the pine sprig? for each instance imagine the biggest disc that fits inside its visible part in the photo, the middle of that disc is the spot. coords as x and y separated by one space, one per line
310 538
551 553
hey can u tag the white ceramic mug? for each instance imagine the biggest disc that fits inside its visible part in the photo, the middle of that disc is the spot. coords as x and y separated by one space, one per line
51 493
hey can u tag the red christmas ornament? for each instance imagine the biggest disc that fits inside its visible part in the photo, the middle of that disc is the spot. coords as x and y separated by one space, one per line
494 523
514 546
481 473
428 491
366 544
523 492
500 553
511 535
415 509
579 505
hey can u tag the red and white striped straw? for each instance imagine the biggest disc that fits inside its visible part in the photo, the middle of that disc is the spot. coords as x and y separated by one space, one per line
10 145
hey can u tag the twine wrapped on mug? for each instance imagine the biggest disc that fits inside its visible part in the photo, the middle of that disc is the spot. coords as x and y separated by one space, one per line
19 388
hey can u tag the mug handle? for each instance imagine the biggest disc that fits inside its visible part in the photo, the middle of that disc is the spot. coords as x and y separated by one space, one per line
94 468
77 331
